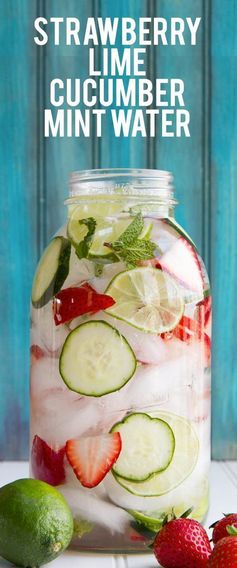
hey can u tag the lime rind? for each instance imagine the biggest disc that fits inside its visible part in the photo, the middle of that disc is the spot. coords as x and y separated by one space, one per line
151 523
146 298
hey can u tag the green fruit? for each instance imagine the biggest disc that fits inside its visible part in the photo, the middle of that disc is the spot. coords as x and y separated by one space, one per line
147 446
96 359
36 524
150 522
181 466
52 271
146 298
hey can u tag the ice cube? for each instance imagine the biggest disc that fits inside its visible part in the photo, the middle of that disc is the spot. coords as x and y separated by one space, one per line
101 283
45 332
80 271
156 384
188 491
58 413
87 505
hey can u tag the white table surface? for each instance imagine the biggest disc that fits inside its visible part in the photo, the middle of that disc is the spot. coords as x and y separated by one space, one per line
223 500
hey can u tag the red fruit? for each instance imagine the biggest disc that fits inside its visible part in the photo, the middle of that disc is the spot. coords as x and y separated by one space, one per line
220 531
207 349
91 458
182 543
187 329
224 554
36 352
47 463
203 311
73 302
182 262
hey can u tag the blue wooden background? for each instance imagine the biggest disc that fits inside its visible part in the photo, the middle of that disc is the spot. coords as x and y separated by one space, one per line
34 172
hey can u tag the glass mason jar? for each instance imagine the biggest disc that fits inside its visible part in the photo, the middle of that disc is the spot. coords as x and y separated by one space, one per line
120 361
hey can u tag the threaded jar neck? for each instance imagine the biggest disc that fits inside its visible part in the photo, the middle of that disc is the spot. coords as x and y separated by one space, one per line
142 184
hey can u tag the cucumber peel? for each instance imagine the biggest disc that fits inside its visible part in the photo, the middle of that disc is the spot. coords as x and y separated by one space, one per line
147 447
181 466
96 359
52 271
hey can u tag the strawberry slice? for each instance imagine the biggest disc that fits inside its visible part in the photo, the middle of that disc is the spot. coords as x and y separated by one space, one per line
181 261
36 352
207 349
73 302
203 311
91 458
47 463
187 329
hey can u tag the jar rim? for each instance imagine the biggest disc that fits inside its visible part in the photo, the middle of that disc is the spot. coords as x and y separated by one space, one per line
119 182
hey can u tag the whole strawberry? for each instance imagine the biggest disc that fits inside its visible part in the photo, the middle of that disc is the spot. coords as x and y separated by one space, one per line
224 554
182 543
220 527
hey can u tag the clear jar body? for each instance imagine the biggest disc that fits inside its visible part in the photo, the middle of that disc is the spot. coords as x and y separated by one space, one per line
120 372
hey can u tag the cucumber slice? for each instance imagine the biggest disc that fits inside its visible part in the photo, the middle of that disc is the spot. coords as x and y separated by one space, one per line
52 271
147 446
181 466
96 359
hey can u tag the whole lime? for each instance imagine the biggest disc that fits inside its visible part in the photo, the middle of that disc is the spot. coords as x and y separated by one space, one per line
36 524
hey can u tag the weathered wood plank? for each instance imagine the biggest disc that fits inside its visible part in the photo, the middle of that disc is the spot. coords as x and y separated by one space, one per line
17 219
122 152
34 172
184 156
63 155
223 226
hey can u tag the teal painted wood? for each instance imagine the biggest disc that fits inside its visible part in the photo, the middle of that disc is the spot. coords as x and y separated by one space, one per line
184 156
63 155
34 173
132 152
17 220
224 227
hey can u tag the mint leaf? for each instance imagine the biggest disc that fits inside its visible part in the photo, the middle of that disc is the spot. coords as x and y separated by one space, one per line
132 232
129 247
82 249
139 249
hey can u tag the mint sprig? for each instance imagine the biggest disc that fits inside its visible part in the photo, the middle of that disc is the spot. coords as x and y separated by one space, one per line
132 232
129 247
82 249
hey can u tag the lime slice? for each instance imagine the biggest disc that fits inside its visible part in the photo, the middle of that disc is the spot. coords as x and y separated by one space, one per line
109 227
182 464
146 298
150 522
146 232
153 520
